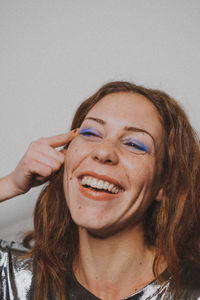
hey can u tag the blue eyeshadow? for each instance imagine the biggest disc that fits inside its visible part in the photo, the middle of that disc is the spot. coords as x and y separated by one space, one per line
136 143
88 131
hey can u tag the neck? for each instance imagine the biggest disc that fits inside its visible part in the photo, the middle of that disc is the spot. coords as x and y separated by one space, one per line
116 266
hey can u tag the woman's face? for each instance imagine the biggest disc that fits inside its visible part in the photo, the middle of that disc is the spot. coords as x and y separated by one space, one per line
112 168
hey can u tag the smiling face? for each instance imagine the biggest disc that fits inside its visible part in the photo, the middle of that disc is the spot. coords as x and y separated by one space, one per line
112 168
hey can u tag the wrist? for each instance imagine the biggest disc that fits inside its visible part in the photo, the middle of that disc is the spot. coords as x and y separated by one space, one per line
8 188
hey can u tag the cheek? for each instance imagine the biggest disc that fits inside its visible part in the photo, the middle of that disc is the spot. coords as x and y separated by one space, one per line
140 172
139 164
78 150
71 154
75 154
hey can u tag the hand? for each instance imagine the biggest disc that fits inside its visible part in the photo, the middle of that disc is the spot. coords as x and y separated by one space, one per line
40 161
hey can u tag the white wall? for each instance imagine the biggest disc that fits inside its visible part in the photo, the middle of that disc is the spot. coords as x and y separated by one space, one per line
53 54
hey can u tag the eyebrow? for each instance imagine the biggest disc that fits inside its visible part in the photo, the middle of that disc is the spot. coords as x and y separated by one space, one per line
126 128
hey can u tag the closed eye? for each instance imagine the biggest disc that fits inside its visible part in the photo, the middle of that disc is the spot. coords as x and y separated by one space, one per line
89 132
136 145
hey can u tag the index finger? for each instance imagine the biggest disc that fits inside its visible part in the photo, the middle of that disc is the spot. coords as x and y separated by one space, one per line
61 139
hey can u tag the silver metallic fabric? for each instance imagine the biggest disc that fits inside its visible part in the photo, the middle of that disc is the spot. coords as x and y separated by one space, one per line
17 280
16 275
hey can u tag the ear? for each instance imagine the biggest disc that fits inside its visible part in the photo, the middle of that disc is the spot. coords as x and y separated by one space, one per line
159 195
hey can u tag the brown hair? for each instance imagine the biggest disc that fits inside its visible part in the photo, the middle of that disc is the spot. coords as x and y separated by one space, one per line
176 217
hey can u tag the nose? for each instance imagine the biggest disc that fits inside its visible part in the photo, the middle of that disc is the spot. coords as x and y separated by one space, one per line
106 153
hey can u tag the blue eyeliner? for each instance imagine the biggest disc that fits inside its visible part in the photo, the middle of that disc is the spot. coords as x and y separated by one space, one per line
88 131
134 143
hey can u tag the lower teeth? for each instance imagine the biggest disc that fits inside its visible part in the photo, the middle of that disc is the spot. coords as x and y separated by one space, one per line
98 190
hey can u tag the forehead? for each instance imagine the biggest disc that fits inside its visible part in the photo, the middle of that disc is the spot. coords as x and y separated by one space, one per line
128 109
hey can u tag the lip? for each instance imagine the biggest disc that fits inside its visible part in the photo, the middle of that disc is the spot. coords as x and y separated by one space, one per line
102 177
95 194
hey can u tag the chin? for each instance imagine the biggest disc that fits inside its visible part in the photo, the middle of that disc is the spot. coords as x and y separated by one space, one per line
100 229
94 227
100 233
88 224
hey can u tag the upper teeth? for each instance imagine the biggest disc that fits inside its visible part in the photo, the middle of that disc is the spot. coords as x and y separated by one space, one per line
99 184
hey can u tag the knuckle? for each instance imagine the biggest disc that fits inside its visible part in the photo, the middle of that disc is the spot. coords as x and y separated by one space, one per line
56 165
33 145
42 140
37 142
61 157
47 171
26 163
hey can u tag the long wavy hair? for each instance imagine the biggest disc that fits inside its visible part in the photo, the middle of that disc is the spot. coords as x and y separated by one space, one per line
172 225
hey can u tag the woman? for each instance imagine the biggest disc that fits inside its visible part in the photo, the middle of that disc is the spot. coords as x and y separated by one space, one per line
120 218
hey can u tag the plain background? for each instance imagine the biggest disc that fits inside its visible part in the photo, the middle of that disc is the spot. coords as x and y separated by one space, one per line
54 54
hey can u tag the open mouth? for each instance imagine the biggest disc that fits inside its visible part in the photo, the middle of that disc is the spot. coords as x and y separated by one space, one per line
99 185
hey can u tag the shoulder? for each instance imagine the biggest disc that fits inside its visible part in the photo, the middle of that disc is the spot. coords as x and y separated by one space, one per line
16 271
13 254
6 246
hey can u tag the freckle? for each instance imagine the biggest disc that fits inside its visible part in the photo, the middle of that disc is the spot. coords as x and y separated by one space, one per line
70 178
75 150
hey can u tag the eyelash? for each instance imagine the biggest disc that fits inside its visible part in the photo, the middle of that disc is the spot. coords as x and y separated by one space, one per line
139 146
135 144
89 132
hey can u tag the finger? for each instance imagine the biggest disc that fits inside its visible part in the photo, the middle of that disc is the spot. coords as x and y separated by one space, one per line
42 148
47 150
38 180
41 170
61 139
48 160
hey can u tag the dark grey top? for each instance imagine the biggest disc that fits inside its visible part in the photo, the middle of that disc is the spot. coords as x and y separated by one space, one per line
17 278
